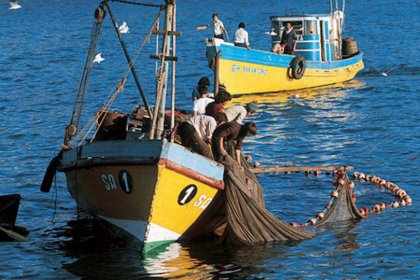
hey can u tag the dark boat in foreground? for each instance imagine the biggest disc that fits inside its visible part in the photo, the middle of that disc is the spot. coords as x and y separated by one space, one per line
9 206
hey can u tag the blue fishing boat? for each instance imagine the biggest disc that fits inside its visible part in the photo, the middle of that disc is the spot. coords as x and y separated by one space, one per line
321 57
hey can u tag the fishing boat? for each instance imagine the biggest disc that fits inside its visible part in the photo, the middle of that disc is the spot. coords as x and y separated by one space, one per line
9 206
322 57
125 168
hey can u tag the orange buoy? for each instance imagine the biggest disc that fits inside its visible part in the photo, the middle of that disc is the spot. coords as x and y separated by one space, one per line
248 158
382 205
402 193
312 221
376 208
294 224
366 211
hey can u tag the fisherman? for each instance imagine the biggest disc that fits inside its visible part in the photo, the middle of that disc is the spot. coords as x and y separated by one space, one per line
196 133
231 131
239 112
288 39
218 27
278 48
220 101
241 37
204 81
201 103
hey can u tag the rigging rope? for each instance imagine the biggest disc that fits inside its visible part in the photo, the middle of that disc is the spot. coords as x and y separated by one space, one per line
82 135
84 78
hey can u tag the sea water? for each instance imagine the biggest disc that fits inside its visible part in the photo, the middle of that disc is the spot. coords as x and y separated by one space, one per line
371 123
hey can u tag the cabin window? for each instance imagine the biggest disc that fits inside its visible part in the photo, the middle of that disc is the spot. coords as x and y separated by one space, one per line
311 27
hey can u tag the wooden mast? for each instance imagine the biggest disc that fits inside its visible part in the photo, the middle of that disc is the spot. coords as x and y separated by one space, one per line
157 126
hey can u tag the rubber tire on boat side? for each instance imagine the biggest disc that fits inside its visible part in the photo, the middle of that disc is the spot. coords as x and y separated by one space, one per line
298 67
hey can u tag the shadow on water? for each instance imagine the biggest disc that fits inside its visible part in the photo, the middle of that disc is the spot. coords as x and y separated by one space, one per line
336 90
344 233
94 253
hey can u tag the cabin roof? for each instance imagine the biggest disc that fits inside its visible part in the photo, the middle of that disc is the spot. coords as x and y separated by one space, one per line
300 17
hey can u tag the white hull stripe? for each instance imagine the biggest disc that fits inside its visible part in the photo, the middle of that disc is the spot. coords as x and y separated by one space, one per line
142 232
156 233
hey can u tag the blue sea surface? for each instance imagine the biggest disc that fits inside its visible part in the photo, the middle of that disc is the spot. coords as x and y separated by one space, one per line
371 123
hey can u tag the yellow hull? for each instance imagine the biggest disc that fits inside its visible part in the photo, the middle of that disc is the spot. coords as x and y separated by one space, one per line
155 202
262 78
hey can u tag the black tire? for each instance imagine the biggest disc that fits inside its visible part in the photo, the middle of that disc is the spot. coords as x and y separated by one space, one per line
298 67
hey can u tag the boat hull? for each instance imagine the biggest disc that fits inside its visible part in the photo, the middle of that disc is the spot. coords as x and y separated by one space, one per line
153 190
245 71
9 206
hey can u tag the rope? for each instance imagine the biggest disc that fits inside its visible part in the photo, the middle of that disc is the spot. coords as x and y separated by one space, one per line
84 78
87 129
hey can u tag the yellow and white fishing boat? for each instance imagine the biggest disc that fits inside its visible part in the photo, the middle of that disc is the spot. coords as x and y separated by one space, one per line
127 170
322 57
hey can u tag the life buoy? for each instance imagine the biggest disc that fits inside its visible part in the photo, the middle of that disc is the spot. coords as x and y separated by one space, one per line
298 67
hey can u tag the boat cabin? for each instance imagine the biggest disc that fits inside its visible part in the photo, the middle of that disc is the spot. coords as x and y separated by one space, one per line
318 36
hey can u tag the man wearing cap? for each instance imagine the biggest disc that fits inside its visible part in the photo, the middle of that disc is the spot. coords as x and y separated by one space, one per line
239 113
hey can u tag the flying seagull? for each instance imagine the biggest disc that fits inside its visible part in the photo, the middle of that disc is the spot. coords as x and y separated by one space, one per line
14 5
98 58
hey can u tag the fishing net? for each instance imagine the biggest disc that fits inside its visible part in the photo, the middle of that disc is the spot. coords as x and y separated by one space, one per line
343 208
249 222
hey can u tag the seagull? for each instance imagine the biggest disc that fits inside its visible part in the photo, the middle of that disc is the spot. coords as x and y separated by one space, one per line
385 73
123 28
14 5
271 33
98 58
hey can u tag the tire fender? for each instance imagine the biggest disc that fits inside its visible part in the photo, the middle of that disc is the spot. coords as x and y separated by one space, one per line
297 67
